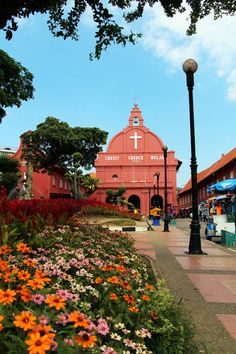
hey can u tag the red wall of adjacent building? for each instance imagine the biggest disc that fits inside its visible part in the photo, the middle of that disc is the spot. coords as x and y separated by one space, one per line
45 185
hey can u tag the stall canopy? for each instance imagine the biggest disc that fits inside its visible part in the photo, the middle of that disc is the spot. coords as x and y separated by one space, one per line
223 186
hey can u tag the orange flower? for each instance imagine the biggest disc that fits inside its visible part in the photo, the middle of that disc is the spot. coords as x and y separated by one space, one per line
125 285
3 265
23 275
35 283
5 250
113 280
22 247
121 257
129 299
38 344
149 287
98 280
7 297
1 326
39 274
120 268
153 315
146 298
25 295
79 319
86 340
30 262
108 267
8 277
113 296
133 309
25 320
55 301
42 330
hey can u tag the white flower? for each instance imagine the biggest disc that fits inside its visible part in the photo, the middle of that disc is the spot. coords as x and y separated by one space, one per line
120 325
115 336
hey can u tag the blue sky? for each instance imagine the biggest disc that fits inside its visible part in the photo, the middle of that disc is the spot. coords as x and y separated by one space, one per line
101 93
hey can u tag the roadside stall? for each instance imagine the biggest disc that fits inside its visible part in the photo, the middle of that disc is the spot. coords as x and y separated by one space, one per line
221 209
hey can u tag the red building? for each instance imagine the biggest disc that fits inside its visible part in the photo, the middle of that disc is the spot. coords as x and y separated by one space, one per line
45 185
222 169
134 159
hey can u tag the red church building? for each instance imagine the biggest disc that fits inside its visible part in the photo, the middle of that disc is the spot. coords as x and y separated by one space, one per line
134 159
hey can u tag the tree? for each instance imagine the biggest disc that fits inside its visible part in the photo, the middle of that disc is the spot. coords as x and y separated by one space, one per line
65 15
55 143
15 83
10 173
90 183
116 197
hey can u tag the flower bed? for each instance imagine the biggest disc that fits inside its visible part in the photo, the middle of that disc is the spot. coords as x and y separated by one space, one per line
85 290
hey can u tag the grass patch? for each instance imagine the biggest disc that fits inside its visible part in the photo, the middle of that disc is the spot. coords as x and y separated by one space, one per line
120 222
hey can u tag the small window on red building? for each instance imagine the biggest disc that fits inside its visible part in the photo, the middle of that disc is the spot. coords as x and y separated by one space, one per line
53 180
61 183
114 177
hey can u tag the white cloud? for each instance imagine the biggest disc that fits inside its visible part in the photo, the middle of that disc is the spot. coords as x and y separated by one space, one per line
215 41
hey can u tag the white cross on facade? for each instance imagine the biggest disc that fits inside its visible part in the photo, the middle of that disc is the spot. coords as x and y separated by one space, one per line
135 137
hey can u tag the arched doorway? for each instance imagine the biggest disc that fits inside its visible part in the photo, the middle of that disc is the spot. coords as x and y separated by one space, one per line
135 200
157 201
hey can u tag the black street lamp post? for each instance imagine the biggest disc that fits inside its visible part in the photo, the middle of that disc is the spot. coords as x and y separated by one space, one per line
190 66
149 199
166 219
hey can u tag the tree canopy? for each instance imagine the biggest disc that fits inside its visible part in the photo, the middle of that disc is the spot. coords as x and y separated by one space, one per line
55 143
10 172
15 83
65 15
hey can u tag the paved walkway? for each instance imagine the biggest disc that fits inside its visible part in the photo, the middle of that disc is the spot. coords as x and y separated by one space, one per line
205 284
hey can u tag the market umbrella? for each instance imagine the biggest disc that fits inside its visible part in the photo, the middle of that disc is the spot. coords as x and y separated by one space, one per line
223 186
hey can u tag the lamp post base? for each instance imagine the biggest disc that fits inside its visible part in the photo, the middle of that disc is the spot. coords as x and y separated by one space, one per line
195 239
166 225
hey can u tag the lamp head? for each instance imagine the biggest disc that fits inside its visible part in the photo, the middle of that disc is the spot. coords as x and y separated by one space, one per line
164 148
190 66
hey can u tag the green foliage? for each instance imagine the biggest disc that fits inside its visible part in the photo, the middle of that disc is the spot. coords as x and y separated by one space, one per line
116 197
55 143
15 83
65 15
10 169
90 183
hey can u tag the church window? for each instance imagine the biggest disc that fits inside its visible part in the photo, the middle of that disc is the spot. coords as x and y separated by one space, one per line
135 121
114 177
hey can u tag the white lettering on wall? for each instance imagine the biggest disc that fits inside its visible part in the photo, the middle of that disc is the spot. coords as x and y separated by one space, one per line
112 158
157 157
136 158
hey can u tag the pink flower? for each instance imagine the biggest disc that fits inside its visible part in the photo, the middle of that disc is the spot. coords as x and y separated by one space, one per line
38 299
62 318
63 293
102 327
109 350
43 319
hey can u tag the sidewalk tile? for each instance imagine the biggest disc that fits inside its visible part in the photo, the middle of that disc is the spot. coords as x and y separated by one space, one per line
204 262
229 322
215 287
